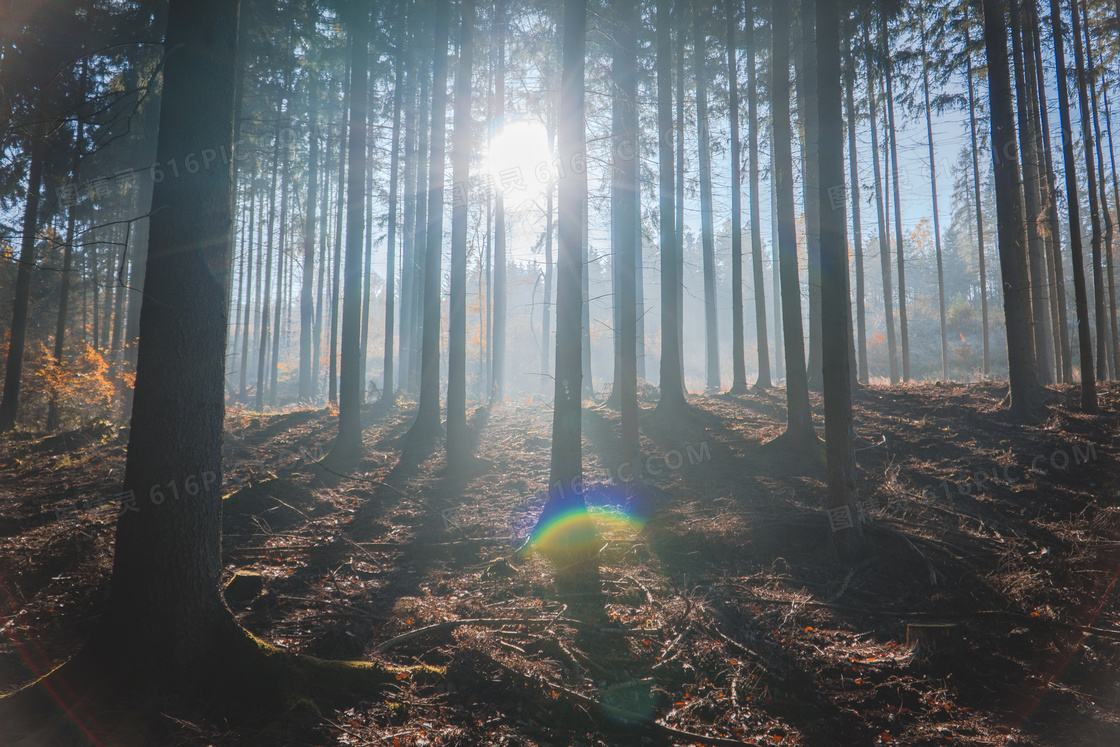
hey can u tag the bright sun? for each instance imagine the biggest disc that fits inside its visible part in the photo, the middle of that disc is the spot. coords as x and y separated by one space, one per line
520 162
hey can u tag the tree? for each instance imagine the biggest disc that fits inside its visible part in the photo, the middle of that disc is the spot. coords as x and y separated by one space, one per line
427 424
979 206
498 341
1025 391
1077 254
388 388
799 420
306 296
835 298
625 218
857 229
347 445
707 230
457 445
756 227
738 352
900 256
672 383
936 217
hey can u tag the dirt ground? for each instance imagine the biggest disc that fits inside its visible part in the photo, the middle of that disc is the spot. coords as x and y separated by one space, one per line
983 612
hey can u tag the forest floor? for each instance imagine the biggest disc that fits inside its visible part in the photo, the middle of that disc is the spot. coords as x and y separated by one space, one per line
982 614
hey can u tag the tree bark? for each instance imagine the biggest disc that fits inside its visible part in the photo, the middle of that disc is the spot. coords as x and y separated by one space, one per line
500 262
810 141
857 227
738 345
306 296
799 425
936 216
707 229
457 443
1025 399
388 386
979 210
1081 299
761 336
671 384
900 254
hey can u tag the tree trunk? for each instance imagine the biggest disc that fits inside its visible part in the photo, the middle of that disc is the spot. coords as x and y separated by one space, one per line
682 34
707 230
979 209
625 177
799 425
810 182
408 217
1094 209
900 256
167 624
388 387
266 303
53 417
1025 401
306 297
253 233
738 345
500 262
1111 269
857 228
671 384
761 337
1040 299
336 271
9 406
566 462
880 202
281 256
457 444
427 425
936 215
835 298
1081 298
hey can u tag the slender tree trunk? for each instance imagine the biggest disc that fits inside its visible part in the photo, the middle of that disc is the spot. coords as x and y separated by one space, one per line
281 256
835 298
761 336
306 298
53 417
566 463
682 34
857 229
388 387
880 202
672 385
625 75
336 271
1080 292
936 216
546 315
738 345
1111 269
707 229
427 423
979 209
775 270
900 255
9 406
1094 209
408 218
457 443
810 182
1025 401
266 303
253 232
799 426
500 261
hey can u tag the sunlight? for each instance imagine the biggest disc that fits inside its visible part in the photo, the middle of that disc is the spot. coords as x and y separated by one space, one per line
520 163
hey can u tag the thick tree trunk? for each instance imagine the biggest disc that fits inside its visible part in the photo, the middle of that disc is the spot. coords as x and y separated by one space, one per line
738 345
1077 254
427 424
1036 252
457 444
682 9
408 218
761 336
166 624
1025 399
880 202
799 426
672 385
835 298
